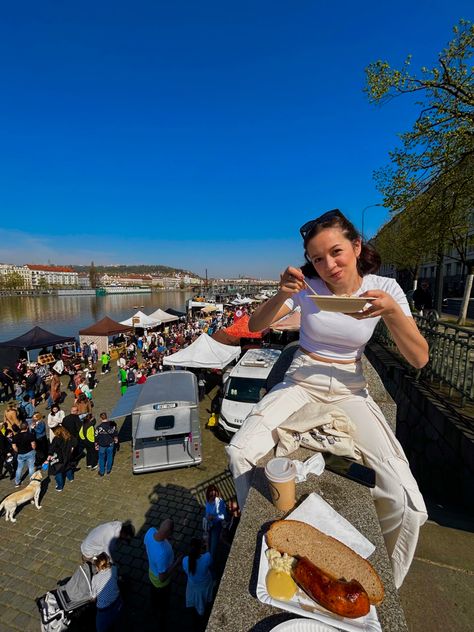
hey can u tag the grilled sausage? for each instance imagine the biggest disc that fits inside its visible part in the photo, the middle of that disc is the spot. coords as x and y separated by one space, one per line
345 598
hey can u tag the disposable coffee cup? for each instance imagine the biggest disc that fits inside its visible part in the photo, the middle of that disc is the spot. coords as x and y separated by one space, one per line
280 473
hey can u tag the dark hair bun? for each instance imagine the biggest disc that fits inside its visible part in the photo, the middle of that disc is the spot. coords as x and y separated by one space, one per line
369 260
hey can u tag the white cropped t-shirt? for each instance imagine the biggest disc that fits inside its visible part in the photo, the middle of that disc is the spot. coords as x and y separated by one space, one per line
337 336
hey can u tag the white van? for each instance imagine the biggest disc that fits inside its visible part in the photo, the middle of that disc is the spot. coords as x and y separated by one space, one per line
165 421
245 386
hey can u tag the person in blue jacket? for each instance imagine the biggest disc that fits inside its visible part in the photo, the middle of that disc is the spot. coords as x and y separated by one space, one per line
216 515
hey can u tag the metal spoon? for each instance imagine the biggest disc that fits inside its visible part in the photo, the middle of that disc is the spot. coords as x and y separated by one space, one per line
310 288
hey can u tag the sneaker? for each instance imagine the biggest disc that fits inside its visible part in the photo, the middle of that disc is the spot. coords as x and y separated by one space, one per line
93 468
17 484
89 467
100 474
59 489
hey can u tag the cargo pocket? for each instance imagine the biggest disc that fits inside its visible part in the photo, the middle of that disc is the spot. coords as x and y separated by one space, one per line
414 516
402 471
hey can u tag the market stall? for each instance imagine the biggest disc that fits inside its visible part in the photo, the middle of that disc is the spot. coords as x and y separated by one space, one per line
163 316
101 332
175 312
36 338
204 353
139 319
240 329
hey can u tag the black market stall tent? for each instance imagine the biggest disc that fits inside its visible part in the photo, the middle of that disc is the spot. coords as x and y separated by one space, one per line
36 338
175 312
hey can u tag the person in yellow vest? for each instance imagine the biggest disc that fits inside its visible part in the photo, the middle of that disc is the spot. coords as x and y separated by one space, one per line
86 435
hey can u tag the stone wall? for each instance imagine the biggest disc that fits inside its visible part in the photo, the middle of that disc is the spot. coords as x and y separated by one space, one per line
438 442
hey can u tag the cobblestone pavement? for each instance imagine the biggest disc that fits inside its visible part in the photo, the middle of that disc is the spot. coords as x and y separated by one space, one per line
43 545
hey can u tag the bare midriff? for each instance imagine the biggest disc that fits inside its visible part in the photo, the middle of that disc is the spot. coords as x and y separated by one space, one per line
315 356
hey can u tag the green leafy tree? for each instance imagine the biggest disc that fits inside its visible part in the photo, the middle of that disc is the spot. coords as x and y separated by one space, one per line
43 284
401 243
442 135
434 160
13 281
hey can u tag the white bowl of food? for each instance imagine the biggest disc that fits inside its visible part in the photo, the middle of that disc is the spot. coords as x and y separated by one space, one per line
344 304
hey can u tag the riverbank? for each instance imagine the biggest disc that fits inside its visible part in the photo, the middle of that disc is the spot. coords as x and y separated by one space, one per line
65 291
66 315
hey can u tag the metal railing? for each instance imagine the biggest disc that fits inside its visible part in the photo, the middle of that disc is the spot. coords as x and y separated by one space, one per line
451 360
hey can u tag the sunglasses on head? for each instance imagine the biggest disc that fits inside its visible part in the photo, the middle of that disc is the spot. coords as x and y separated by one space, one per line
325 217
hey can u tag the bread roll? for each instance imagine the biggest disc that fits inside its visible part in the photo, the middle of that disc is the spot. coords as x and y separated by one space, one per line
299 539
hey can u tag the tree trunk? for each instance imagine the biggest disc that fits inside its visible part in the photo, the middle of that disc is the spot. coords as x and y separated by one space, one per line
465 299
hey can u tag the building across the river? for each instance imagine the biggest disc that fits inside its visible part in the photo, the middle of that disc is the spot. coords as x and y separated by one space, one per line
9 269
52 275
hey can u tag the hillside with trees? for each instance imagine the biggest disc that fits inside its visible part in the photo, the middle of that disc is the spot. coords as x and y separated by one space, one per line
135 269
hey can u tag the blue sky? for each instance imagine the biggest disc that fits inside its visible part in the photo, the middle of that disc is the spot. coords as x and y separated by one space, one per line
197 135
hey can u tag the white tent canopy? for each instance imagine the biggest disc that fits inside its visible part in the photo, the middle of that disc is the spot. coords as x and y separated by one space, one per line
141 320
241 301
163 316
204 353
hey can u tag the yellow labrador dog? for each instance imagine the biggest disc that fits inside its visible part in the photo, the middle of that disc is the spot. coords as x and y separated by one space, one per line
30 493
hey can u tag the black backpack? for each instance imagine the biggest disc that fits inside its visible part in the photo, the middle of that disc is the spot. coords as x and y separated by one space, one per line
21 413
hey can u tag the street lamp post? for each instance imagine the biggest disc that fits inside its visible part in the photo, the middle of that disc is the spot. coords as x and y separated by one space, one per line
363 216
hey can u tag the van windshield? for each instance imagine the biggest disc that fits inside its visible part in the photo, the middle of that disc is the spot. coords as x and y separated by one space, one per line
245 389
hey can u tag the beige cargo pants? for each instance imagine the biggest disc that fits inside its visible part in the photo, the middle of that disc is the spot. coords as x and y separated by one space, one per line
400 506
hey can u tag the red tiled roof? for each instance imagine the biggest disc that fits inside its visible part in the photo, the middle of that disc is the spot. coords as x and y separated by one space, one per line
33 266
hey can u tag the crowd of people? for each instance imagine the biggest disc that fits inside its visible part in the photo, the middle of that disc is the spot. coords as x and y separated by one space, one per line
144 354
56 439
28 438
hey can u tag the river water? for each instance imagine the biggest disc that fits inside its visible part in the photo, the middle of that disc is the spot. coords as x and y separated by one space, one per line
67 314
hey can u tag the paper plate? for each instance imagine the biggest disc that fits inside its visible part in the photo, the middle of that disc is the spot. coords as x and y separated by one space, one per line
345 304
303 625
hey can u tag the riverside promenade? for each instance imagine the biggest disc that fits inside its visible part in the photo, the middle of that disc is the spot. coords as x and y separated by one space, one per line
43 546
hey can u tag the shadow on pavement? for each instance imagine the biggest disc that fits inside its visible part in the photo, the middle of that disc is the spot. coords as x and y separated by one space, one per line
186 508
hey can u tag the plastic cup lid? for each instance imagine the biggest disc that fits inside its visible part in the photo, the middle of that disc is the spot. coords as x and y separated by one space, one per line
280 470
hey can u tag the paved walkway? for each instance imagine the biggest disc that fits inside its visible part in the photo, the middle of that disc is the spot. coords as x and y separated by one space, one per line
43 545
